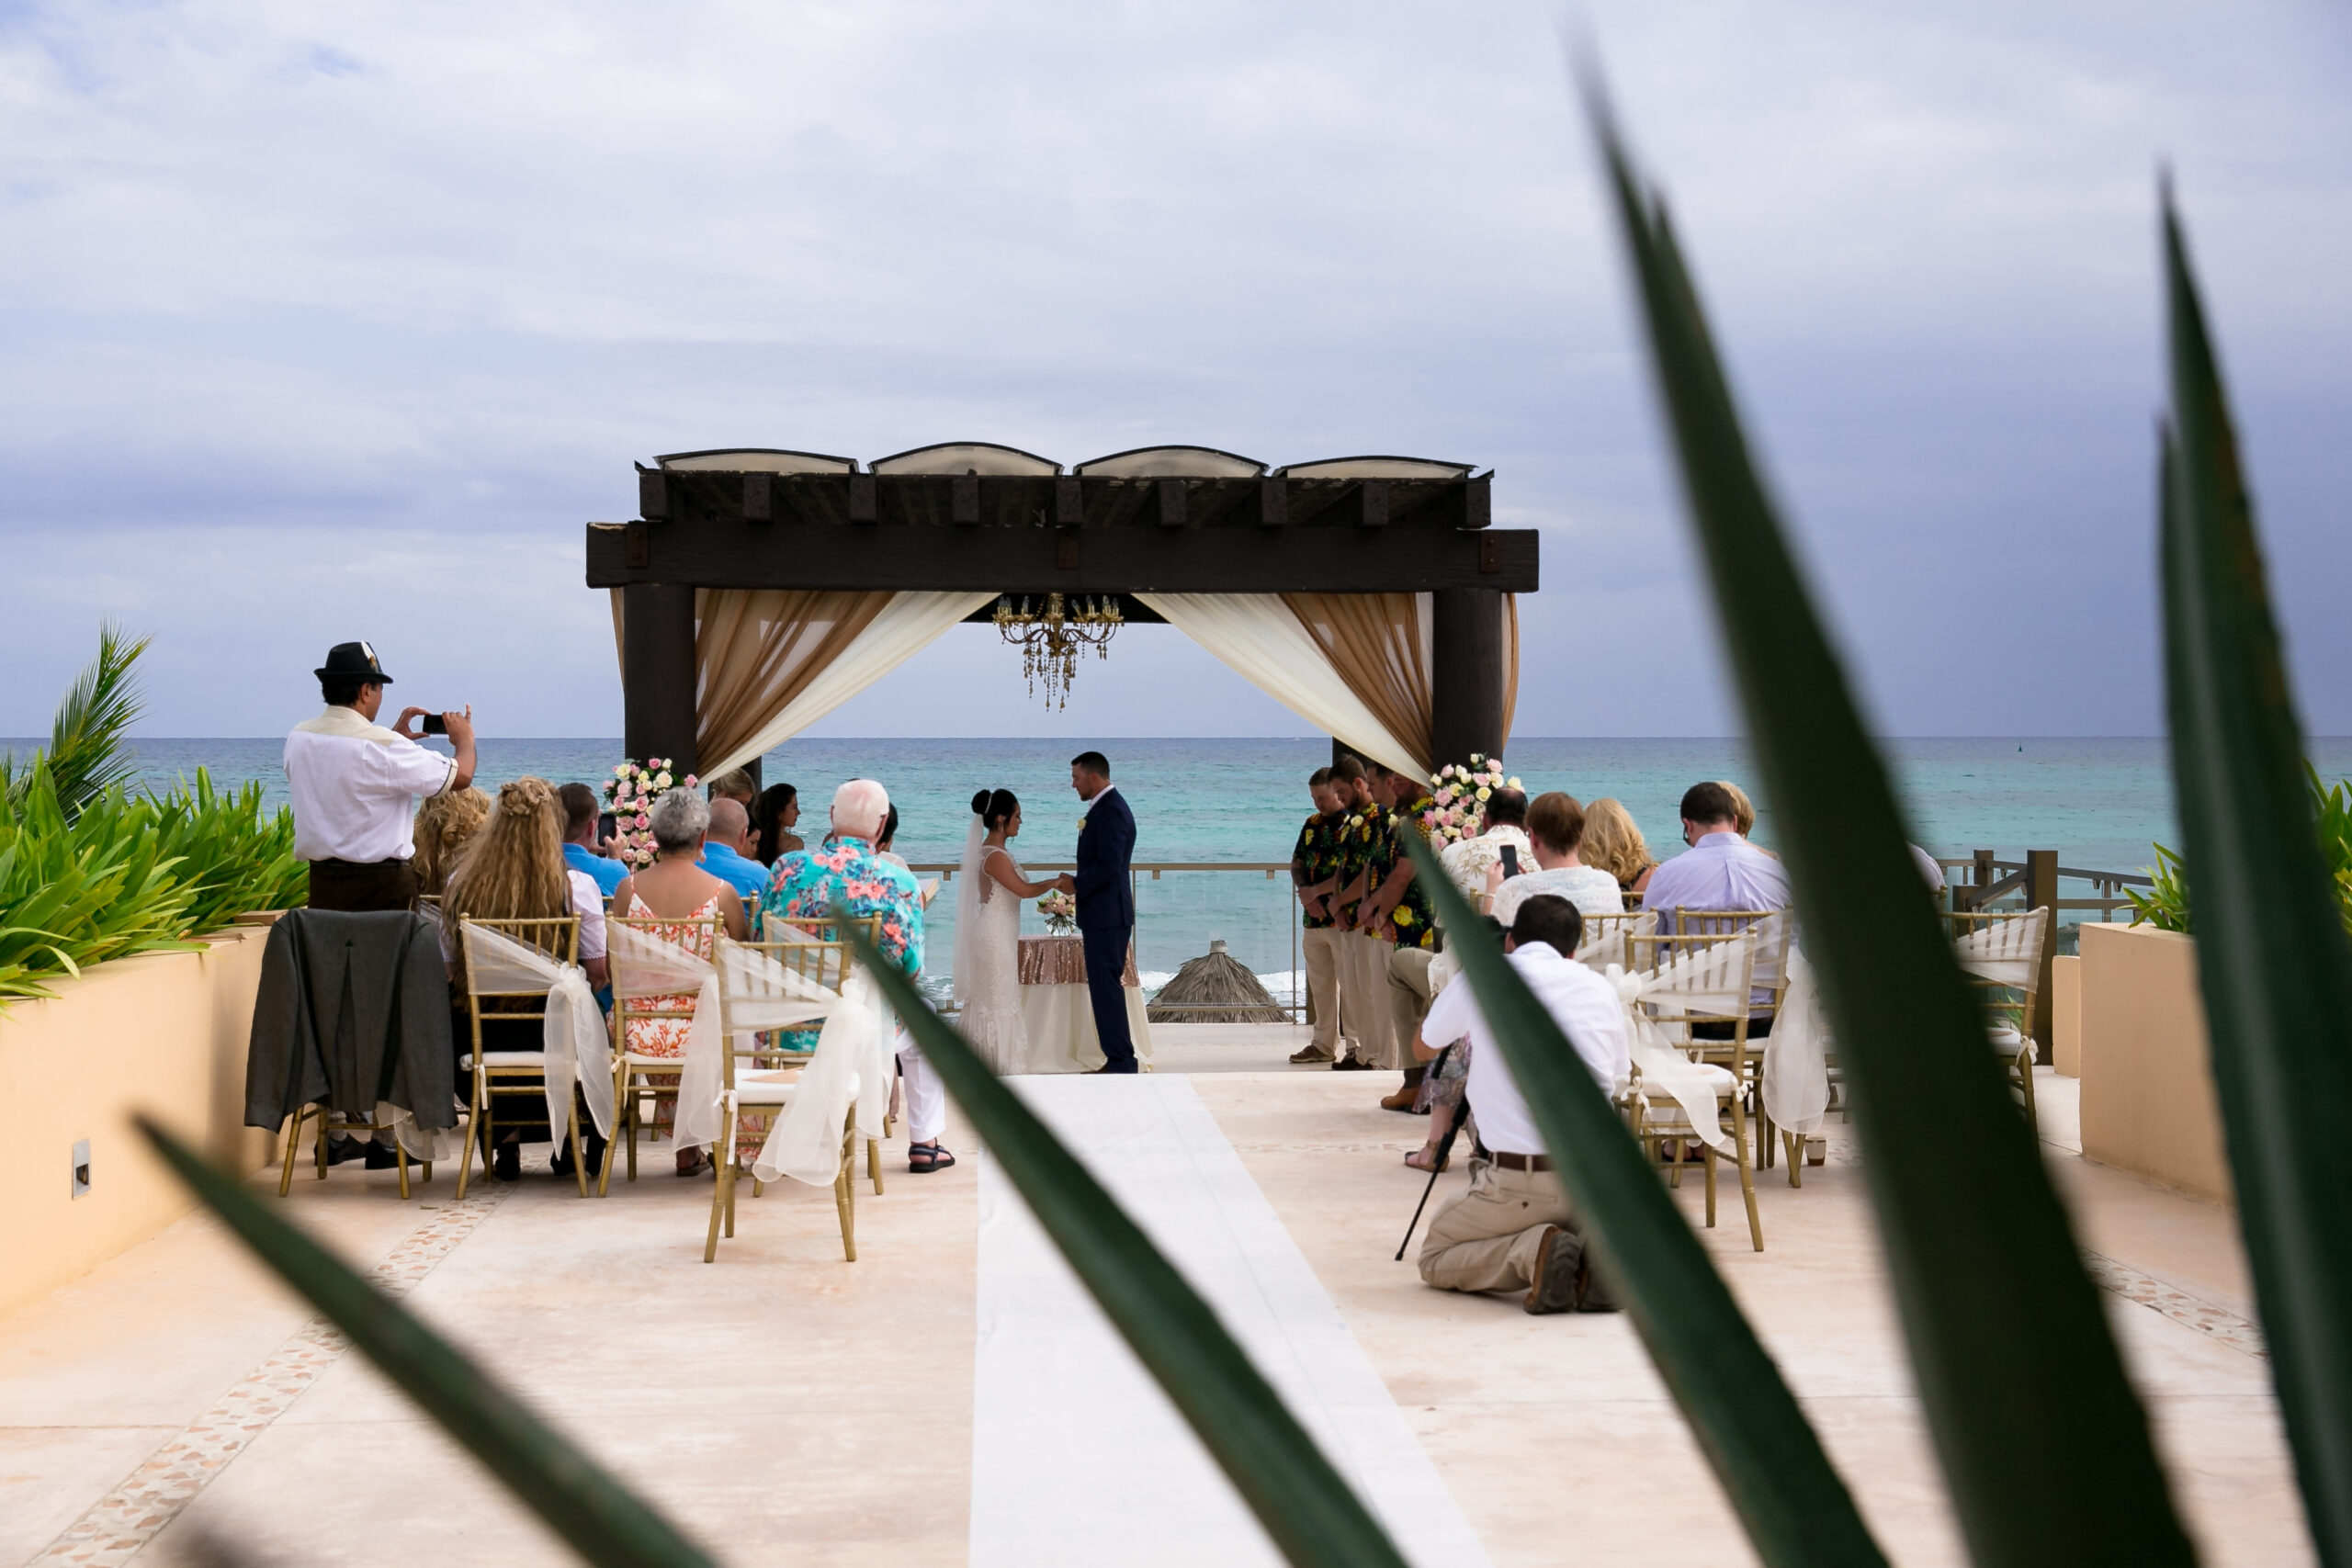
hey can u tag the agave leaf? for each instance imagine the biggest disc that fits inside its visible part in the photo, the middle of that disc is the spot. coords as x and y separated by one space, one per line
2019 1375
574 1496
2270 946
1765 1454
1304 1506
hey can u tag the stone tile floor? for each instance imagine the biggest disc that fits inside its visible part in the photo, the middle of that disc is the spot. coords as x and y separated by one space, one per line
787 1405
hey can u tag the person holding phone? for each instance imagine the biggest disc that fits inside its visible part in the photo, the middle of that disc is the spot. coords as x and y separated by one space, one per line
1556 825
354 783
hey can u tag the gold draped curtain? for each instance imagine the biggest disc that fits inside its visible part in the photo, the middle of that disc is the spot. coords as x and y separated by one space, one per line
1378 644
758 648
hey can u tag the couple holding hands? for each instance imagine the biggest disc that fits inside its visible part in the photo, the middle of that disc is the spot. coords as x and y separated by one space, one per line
988 919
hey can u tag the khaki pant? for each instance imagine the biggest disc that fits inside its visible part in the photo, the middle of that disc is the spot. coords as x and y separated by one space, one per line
1408 999
1323 947
1486 1238
1364 996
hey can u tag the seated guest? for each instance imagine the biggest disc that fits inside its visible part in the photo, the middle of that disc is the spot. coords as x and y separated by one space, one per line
734 785
514 870
1503 1233
725 847
675 888
582 853
773 816
1613 843
446 824
1469 861
1743 811
1556 824
1722 870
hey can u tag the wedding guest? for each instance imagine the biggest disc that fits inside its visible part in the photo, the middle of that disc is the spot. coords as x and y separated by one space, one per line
1556 824
446 823
773 816
1721 870
1615 844
1505 1230
726 841
1363 958
514 870
683 896
351 781
734 785
1743 810
1401 915
1469 861
582 849
1314 871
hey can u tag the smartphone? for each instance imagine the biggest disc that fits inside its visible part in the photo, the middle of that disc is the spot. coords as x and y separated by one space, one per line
605 825
1510 859
436 724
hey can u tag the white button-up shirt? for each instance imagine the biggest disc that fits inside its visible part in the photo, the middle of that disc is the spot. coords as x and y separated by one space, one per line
355 786
1584 1005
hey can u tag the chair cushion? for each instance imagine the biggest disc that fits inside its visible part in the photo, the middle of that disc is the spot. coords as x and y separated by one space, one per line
759 1093
532 1059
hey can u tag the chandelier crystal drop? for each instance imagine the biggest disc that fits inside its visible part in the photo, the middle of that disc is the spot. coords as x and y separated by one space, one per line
1050 632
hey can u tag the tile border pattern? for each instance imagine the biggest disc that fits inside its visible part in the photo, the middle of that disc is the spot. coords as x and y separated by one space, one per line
115 1528
2215 1322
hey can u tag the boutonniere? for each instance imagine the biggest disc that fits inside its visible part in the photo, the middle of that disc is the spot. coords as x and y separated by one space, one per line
1082 824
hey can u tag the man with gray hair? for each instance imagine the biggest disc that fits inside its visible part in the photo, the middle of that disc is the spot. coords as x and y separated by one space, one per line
846 870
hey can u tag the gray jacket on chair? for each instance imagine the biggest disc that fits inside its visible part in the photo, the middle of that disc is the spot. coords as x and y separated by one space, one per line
354 1009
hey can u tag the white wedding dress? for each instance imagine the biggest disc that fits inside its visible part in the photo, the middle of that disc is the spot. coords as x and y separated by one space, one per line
987 964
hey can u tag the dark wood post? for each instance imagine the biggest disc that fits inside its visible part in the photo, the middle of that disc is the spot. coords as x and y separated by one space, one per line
2042 893
1985 878
1466 679
658 674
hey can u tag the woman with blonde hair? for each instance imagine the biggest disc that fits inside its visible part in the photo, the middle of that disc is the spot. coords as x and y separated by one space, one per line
446 824
514 870
1614 843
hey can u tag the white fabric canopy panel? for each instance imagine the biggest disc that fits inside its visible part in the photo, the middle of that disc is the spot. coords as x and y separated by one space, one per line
1261 639
911 623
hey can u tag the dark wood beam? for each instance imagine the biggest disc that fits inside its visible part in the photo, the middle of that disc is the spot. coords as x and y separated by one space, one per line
1466 673
658 674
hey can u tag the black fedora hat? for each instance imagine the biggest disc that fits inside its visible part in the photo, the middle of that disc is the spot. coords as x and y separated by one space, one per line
352 661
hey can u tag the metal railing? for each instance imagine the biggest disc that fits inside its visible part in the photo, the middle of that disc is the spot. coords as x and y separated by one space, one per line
2032 882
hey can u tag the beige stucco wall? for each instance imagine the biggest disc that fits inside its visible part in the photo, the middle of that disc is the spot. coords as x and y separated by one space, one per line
2148 1100
164 1032
2066 1014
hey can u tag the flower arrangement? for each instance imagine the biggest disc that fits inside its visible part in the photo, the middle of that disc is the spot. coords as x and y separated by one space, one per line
629 796
1060 911
1458 797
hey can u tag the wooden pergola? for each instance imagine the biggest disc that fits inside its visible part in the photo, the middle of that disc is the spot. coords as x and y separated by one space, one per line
1080 533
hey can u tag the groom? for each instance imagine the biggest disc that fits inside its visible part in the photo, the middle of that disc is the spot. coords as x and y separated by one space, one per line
1106 903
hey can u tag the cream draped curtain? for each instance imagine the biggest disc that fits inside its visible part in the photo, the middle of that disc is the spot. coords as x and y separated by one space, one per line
1379 645
771 662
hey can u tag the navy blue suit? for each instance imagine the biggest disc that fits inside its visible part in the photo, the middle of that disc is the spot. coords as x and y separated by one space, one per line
1106 920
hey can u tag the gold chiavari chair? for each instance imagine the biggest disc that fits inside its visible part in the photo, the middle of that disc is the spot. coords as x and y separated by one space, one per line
512 1074
1661 1118
2000 952
1604 934
827 962
633 1074
1771 978
752 1069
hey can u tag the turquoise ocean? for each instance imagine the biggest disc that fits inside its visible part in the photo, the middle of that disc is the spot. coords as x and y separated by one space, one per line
2100 803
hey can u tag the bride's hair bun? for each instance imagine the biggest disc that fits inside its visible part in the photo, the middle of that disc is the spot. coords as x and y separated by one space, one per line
994 806
981 803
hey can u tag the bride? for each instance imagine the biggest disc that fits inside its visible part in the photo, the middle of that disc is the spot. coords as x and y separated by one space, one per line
987 934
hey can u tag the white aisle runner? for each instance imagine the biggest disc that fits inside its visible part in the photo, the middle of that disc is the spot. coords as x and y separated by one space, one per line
1077 1455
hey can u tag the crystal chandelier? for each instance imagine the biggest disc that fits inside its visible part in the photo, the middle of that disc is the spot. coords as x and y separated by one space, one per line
1050 634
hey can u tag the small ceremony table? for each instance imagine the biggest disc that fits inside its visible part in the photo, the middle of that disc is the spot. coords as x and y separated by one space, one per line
1058 1013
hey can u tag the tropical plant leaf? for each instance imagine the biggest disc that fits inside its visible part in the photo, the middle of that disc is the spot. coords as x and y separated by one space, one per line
1304 1506
89 741
574 1496
2271 953
1765 1454
2020 1376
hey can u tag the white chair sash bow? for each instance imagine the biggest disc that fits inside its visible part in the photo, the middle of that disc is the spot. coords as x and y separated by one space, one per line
1796 1054
1712 979
577 1049
850 1074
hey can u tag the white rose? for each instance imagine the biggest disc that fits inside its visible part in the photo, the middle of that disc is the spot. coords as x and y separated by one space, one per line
660 781
1484 791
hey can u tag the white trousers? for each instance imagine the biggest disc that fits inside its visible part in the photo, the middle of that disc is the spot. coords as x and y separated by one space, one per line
926 1096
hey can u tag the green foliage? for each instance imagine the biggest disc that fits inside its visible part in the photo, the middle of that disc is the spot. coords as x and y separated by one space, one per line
2272 957
578 1499
1304 1506
235 858
89 739
2017 1372
2165 905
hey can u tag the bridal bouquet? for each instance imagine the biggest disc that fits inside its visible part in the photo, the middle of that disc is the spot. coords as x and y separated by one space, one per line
1458 797
1060 911
629 796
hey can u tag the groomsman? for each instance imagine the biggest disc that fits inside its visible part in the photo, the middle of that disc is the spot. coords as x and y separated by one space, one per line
1313 867
1363 958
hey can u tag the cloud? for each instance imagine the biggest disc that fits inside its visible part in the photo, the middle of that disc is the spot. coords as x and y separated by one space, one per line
317 321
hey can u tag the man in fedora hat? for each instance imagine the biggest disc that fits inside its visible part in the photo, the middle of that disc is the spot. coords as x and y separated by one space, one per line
355 782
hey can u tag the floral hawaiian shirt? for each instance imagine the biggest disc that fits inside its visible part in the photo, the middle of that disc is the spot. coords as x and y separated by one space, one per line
1411 923
1357 844
1317 858
807 883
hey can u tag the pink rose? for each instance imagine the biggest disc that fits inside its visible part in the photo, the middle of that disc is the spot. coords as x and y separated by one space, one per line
643 822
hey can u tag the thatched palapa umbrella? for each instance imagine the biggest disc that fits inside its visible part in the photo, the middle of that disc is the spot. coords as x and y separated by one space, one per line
1216 988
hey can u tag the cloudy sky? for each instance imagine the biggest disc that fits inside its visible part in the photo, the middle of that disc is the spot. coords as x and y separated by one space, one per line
328 322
